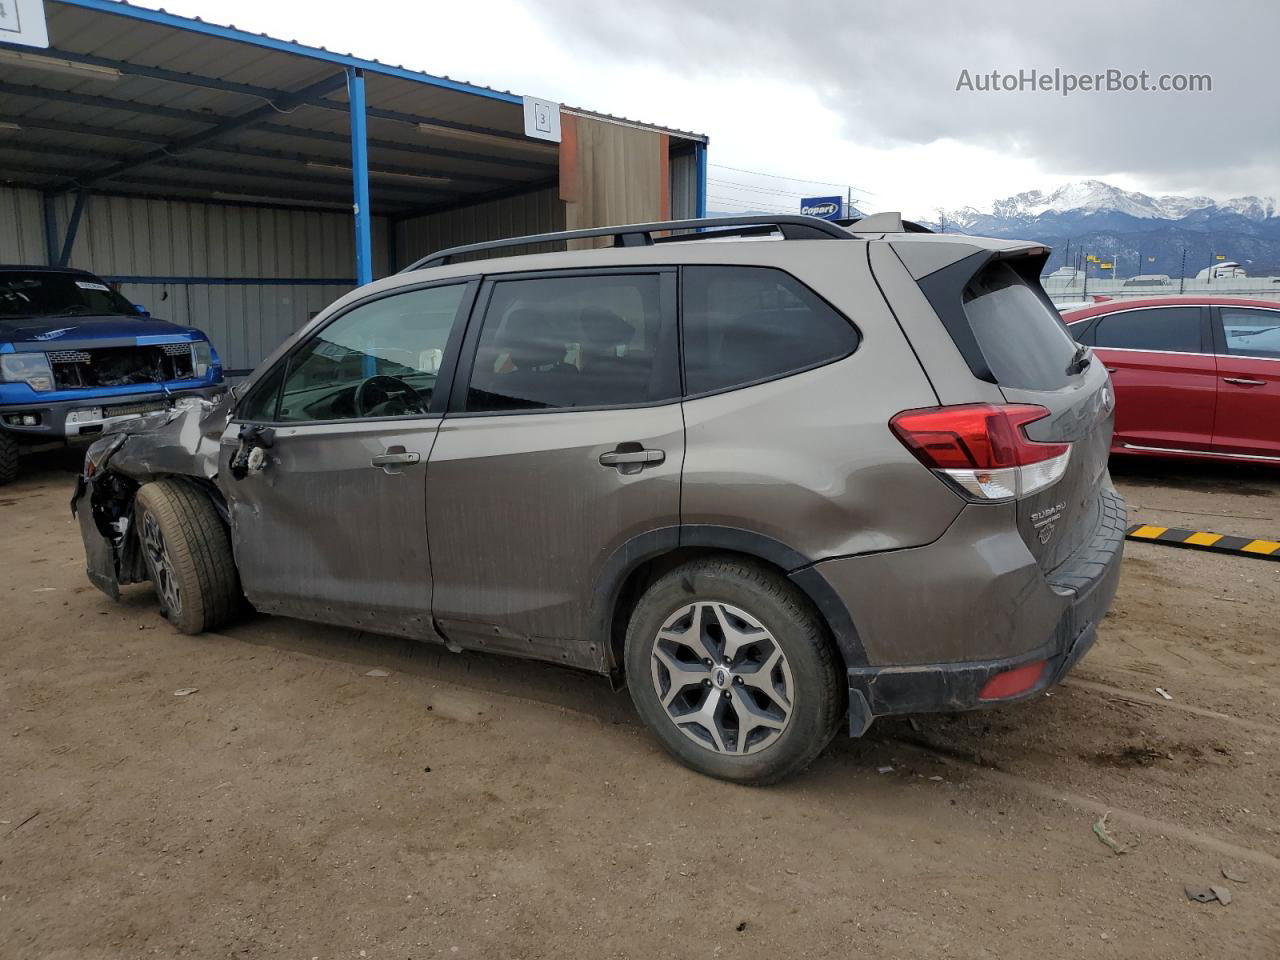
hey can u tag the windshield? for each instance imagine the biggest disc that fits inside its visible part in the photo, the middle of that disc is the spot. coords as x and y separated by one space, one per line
49 294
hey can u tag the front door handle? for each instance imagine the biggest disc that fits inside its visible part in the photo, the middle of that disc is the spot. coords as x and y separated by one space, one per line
1111 369
1243 382
395 456
632 458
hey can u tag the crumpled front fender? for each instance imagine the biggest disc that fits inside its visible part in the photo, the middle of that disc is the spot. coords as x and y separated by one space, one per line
181 442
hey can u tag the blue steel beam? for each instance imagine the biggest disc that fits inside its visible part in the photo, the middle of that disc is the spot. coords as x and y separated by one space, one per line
205 119
286 46
73 227
105 103
50 230
360 176
700 156
222 129
405 189
269 94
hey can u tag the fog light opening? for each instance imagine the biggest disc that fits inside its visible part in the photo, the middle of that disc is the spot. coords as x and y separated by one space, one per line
1012 683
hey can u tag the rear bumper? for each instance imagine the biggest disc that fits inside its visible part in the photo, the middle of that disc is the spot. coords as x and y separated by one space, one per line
1086 583
110 410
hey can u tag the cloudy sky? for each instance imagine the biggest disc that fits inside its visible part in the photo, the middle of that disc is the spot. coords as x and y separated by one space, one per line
859 94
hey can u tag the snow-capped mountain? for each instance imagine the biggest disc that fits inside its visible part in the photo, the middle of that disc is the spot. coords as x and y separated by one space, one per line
1087 196
1141 233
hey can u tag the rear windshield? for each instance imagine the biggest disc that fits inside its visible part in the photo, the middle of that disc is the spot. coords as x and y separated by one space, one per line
49 294
1020 334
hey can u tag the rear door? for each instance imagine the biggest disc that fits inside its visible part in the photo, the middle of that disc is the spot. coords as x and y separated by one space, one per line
334 527
1248 347
564 439
1165 377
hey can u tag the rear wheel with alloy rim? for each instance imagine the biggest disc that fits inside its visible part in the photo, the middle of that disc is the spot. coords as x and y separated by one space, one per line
734 671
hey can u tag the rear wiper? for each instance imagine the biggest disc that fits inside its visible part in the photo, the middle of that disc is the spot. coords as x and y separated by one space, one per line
1080 360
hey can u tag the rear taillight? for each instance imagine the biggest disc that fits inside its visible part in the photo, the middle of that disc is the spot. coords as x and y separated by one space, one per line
983 448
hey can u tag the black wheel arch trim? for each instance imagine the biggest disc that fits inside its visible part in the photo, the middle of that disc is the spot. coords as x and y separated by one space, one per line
798 568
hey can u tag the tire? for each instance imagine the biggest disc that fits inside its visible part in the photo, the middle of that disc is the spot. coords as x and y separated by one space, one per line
781 657
188 555
8 458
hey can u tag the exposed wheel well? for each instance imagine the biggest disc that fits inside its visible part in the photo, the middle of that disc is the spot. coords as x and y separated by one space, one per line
639 579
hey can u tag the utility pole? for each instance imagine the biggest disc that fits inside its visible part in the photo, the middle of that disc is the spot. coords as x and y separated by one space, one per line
1182 272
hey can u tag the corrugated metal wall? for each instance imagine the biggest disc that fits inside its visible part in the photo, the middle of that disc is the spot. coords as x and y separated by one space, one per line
21 226
684 186
134 237
539 212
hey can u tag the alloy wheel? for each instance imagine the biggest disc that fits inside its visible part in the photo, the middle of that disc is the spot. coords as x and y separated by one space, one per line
157 553
722 678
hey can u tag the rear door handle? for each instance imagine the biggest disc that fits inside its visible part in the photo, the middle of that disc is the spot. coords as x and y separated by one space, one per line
395 456
1243 382
632 458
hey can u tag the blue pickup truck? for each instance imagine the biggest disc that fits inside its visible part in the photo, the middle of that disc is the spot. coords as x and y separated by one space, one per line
76 357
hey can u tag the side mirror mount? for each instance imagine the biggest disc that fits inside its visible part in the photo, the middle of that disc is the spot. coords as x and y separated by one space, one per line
141 310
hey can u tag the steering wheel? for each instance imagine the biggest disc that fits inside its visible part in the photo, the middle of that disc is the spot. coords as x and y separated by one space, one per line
381 388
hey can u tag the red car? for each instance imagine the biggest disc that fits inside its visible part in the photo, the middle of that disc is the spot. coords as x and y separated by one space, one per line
1194 376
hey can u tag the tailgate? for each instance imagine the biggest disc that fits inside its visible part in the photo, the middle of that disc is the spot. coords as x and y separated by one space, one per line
1058 520
1012 337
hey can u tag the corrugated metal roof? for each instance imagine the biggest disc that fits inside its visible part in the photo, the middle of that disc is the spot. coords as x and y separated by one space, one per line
434 142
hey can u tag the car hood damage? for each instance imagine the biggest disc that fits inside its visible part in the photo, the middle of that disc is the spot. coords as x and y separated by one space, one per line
180 442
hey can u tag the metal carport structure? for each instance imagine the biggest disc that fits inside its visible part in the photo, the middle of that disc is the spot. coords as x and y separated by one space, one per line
156 127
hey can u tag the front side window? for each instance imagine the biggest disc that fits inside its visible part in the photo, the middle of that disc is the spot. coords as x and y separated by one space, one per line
748 324
1167 329
380 359
562 342
1251 333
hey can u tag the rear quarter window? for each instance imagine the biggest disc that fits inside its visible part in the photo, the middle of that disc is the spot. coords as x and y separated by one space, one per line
745 325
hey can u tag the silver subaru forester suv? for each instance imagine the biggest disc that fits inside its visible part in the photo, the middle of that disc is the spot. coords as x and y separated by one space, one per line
771 474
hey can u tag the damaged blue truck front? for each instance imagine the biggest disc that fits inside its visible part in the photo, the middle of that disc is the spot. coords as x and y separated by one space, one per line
76 359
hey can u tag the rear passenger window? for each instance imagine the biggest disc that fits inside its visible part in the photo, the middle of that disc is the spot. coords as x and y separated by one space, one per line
1168 329
564 342
747 324
1251 333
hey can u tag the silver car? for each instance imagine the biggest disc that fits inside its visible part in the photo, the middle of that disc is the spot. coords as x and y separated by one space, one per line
771 486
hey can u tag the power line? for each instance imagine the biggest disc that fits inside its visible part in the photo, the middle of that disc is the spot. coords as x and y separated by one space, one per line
737 185
782 176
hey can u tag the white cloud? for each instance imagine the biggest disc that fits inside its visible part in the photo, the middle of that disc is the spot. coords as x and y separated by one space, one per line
855 117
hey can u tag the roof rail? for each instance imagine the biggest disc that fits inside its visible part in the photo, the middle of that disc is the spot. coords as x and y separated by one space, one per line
791 226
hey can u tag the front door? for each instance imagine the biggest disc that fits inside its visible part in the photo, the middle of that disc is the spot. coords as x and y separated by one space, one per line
331 525
1164 374
1248 420
564 439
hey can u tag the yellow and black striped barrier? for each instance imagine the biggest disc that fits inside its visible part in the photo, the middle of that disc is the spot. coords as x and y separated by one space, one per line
1203 540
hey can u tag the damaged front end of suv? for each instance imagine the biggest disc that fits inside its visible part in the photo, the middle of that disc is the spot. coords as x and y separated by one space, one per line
179 444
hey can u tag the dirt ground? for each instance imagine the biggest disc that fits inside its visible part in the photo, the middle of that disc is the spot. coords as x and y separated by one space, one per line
466 806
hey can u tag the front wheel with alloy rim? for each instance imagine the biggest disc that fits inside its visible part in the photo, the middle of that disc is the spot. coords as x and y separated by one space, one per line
733 670
187 552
